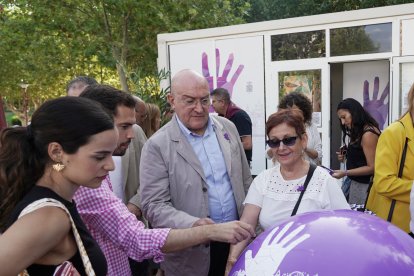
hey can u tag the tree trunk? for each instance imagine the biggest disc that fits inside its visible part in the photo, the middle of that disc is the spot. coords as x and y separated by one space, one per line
122 78
118 55
3 123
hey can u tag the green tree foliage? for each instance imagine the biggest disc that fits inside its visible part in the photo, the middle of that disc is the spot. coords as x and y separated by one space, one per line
262 10
354 40
35 55
150 90
46 43
20 52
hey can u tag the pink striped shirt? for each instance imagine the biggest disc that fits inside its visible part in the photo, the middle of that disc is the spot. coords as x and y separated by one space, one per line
118 232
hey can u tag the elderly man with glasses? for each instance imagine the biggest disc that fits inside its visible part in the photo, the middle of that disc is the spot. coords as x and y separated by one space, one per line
195 173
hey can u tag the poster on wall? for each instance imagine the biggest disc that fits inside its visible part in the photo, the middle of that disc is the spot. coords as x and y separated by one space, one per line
236 65
369 83
307 82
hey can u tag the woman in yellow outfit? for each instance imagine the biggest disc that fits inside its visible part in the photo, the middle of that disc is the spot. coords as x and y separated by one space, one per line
387 185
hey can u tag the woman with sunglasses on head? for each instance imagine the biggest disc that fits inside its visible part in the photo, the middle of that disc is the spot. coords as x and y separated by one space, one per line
275 193
363 132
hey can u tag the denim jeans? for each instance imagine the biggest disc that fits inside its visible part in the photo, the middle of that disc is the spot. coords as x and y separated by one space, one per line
346 184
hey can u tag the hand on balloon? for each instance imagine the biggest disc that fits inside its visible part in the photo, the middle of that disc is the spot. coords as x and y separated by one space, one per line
230 232
376 107
272 252
221 81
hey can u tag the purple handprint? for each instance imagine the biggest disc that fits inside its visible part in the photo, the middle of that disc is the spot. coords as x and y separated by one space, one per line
221 81
376 107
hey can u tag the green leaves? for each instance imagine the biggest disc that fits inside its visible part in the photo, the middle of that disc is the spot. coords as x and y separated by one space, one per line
262 10
46 43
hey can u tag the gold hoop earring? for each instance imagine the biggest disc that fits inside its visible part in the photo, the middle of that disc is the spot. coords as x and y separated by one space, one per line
58 167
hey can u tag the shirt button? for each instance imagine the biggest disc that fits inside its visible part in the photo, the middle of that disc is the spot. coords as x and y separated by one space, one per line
204 189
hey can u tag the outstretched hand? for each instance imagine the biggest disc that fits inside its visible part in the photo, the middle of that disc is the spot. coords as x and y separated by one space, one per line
273 251
221 81
376 107
231 232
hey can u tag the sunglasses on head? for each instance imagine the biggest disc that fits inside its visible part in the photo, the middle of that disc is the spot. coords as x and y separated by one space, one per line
288 141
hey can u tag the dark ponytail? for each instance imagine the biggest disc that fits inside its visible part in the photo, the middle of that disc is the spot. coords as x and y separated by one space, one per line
20 168
70 121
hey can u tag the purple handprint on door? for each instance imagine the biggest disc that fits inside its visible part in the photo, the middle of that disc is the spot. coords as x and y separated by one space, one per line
221 81
376 107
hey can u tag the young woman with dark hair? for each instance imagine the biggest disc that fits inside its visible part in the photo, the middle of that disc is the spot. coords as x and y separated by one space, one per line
68 144
363 132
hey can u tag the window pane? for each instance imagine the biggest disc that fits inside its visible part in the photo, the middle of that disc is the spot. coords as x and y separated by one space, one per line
367 39
298 45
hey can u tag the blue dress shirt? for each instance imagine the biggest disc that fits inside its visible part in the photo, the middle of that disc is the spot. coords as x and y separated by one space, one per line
222 204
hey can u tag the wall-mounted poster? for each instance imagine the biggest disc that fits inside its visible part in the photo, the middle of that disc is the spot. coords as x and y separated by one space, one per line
307 82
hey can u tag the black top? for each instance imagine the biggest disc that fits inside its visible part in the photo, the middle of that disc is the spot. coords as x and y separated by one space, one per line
244 126
355 158
95 254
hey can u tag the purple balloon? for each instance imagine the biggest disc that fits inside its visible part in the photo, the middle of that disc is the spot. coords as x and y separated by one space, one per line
341 242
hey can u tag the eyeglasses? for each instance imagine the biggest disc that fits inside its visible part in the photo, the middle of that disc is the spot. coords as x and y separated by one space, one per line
288 141
191 102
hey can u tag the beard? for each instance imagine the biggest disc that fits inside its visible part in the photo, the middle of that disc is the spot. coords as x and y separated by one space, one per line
121 149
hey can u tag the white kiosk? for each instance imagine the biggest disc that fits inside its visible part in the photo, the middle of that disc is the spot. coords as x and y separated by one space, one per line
328 57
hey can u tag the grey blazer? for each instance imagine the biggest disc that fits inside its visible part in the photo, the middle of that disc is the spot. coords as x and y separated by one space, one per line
174 190
130 167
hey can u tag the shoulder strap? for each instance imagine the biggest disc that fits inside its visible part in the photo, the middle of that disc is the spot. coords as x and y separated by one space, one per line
46 202
400 171
404 153
312 168
372 130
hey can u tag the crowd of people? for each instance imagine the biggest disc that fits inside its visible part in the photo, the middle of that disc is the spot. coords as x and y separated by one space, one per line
94 185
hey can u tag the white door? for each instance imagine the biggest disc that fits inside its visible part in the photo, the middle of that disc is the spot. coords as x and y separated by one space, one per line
310 77
402 79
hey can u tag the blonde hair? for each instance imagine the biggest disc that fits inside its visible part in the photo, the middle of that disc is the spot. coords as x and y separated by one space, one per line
150 125
410 100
